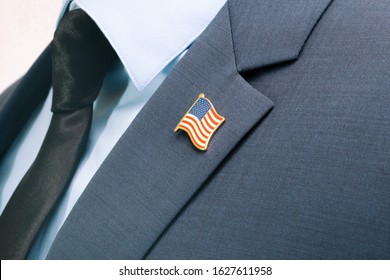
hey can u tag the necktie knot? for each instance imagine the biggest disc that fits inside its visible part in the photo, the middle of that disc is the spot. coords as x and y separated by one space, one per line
81 57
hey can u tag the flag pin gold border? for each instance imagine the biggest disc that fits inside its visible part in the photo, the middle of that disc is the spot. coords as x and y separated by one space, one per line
177 128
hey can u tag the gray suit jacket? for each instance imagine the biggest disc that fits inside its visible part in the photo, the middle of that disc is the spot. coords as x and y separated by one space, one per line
299 170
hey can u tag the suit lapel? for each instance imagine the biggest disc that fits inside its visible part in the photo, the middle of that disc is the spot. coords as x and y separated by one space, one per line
281 29
153 172
20 100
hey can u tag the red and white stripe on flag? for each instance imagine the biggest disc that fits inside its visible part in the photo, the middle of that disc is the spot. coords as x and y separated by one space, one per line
201 130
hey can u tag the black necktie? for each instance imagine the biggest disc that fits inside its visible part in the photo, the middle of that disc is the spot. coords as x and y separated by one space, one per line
81 57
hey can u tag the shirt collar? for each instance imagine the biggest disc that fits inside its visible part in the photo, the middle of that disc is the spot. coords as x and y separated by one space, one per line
148 35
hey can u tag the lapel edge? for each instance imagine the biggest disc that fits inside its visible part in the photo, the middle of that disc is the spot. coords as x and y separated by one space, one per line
284 26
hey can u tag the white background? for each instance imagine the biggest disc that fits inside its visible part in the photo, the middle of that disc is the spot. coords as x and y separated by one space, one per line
26 28
281 270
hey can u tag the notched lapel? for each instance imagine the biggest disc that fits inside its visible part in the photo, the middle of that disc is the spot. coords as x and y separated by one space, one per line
152 172
282 27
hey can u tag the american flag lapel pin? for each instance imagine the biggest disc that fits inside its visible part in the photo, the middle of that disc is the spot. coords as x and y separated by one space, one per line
200 122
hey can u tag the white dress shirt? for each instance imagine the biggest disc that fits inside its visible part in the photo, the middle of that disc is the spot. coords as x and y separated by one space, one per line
149 37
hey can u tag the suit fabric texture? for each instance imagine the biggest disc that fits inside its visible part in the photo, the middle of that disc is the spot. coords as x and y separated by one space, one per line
299 170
